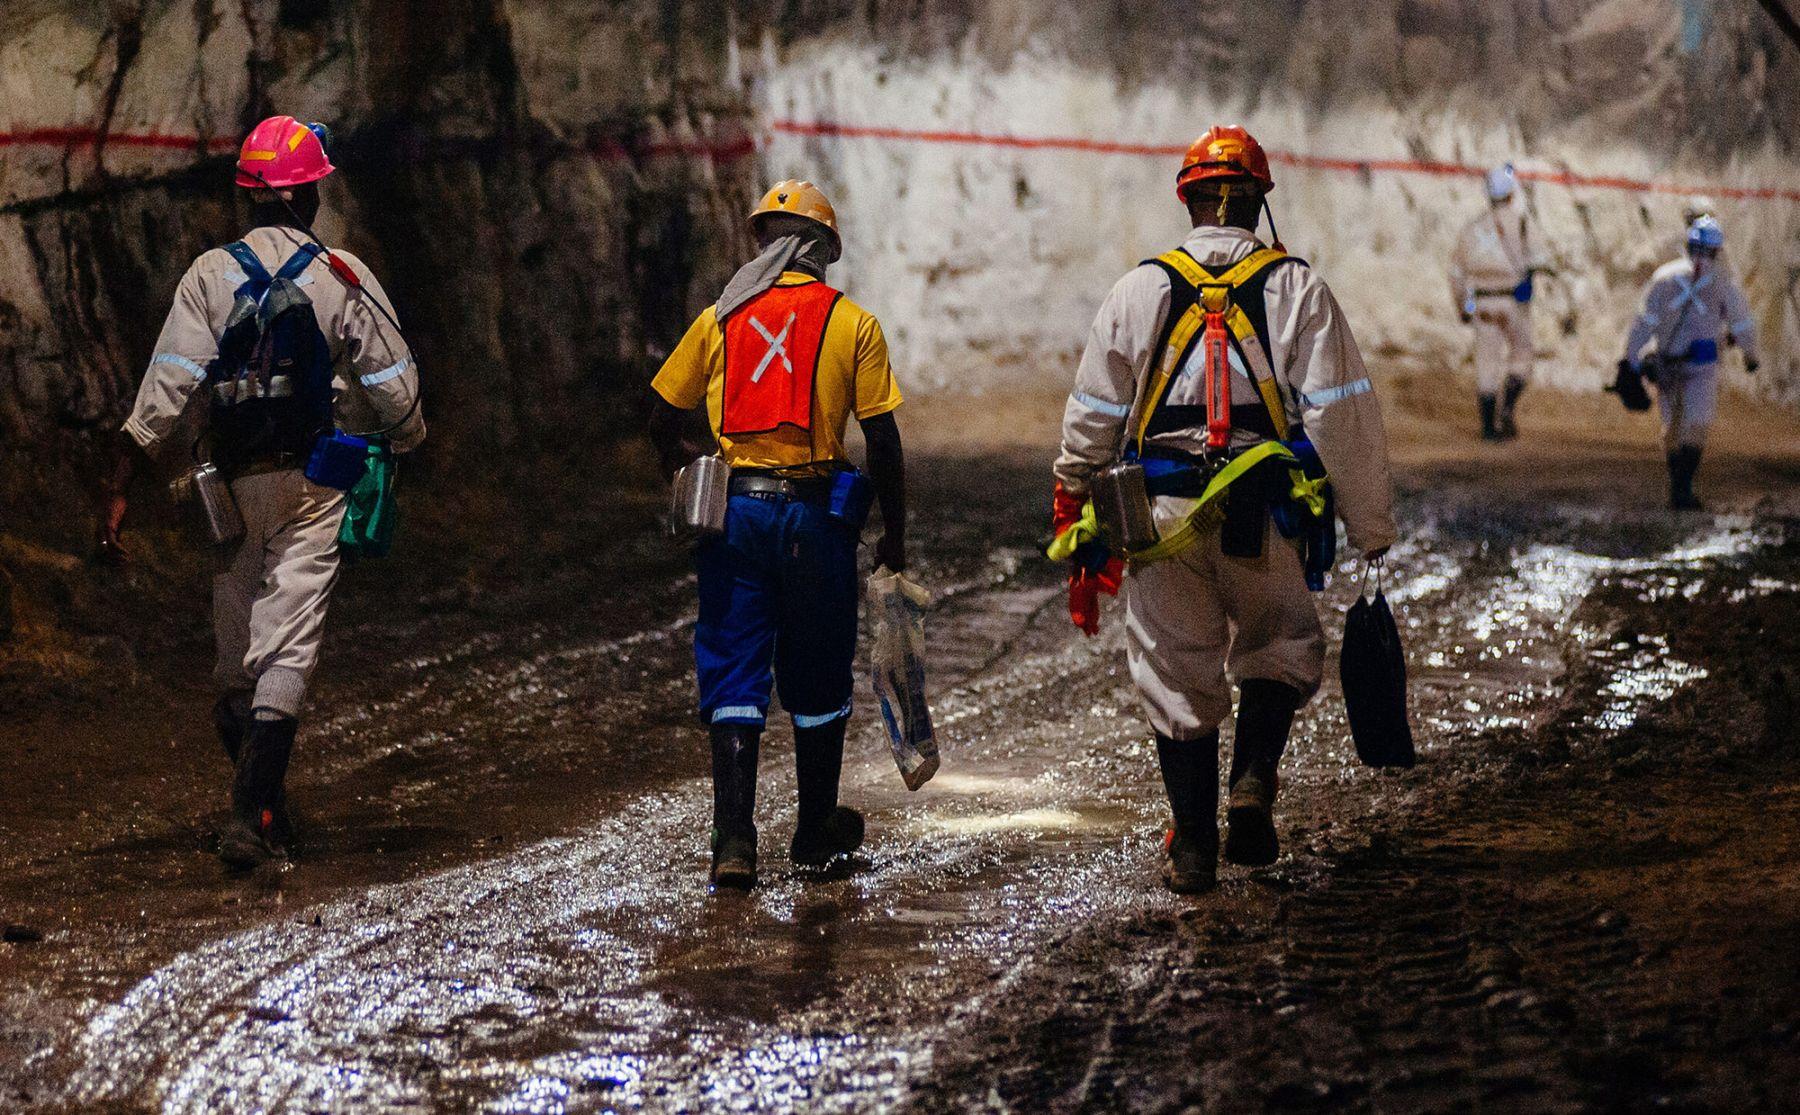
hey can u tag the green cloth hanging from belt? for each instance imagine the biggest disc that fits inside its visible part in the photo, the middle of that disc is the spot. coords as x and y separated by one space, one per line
369 509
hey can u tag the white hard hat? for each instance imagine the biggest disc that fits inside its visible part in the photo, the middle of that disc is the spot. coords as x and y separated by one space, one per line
1501 182
1700 205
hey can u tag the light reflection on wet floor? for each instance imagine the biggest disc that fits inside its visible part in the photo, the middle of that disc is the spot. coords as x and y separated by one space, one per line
593 972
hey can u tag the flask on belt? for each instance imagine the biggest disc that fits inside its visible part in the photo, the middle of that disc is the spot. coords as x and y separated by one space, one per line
1122 508
698 498
210 492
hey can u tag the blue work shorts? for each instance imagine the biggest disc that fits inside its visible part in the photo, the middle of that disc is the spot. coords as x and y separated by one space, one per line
777 589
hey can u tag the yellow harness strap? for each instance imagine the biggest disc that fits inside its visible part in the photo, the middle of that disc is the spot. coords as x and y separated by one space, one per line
1195 316
1209 511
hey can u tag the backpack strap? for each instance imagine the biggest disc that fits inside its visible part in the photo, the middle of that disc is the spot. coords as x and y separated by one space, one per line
253 269
297 263
1191 283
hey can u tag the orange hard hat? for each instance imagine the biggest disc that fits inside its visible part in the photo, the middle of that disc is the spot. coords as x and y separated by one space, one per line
1225 151
802 199
282 152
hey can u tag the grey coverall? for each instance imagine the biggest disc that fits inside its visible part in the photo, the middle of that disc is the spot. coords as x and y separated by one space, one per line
270 593
1679 310
1492 257
1192 617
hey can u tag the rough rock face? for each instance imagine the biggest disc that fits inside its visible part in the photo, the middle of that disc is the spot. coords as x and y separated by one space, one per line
550 188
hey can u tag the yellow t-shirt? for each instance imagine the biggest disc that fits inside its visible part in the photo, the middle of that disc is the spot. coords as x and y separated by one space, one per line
853 377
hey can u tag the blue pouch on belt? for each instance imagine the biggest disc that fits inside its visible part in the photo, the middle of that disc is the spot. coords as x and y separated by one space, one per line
1703 351
338 461
851 497
1522 292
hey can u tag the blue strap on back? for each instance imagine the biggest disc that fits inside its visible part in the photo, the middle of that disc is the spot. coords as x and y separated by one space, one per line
258 275
298 262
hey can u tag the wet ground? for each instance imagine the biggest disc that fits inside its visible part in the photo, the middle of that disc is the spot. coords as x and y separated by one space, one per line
1586 896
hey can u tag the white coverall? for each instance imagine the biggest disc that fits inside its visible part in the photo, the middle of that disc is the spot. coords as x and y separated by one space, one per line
1192 617
269 597
1492 257
1679 310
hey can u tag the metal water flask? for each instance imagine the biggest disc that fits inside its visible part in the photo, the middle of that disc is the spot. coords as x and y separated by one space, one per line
1122 507
211 493
701 492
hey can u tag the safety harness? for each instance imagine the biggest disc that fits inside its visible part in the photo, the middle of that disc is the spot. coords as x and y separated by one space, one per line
1222 312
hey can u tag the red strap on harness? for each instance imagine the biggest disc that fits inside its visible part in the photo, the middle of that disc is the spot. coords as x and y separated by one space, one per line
1217 342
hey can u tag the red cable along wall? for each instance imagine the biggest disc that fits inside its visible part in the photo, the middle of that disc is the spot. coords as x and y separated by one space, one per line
733 150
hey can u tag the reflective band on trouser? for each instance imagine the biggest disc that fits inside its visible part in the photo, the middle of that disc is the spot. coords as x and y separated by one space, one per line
821 720
738 714
182 362
772 347
1337 394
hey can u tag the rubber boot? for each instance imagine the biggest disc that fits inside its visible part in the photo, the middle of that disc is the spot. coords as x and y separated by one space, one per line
1190 773
1507 428
230 724
1265 715
1684 462
824 829
734 752
1489 430
257 832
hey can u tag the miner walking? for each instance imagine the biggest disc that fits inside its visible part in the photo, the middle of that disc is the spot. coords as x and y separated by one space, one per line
780 363
1491 273
1222 407
1691 310
285 343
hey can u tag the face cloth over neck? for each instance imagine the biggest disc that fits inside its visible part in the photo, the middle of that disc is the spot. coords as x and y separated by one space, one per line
794 252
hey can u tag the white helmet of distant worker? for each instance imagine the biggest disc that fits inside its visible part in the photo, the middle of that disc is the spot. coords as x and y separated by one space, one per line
1502 181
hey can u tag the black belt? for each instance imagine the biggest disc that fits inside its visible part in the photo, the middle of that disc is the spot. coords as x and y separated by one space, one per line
1508 292
812 489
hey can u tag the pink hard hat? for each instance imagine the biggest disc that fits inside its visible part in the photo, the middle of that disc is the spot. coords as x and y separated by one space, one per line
282 152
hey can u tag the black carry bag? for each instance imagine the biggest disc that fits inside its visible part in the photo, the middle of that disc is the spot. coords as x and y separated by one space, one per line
1372 668
1628 385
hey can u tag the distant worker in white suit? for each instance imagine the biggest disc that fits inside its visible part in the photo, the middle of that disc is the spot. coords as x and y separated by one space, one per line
1691 307
1491 283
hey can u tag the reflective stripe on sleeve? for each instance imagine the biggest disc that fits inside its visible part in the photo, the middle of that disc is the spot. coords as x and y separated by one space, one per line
180 362
392 371
1337 394
821 720
1111 410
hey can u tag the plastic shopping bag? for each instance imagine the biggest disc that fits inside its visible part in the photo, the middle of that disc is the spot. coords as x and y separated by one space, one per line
899 659
1372 668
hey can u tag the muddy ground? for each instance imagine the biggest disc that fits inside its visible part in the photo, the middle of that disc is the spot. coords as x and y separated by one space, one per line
1587 895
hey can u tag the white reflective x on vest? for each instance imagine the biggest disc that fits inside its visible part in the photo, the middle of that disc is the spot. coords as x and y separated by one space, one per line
777 347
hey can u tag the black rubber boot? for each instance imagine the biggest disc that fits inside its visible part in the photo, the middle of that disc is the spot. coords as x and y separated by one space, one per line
258 830
1265 715
1489 430
824 830
1684 462
734 753
231 727
1514 388
1190 773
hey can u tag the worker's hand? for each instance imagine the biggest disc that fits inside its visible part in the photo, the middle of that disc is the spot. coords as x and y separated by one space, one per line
107 546
1751 366
891 552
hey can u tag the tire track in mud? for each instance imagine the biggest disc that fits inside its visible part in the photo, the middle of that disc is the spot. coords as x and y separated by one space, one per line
590 971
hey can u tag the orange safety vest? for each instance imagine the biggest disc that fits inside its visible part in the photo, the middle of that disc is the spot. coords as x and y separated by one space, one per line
772 346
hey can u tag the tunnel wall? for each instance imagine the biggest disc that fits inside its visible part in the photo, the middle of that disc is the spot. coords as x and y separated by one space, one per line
550 189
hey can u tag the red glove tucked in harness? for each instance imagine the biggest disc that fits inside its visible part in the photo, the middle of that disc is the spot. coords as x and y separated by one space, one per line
1092 571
